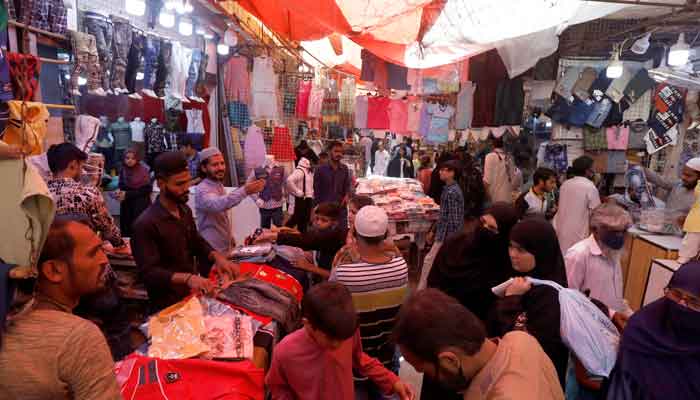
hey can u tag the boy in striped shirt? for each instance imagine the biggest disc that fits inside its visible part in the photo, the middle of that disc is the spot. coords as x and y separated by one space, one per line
378 283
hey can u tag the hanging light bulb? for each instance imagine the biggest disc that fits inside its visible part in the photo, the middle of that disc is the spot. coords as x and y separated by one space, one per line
166 19
136 7
180 8
170 5
615 67
140 76
188 7
199 30
82 81
222 49
641 45
679 52
208 35
185 27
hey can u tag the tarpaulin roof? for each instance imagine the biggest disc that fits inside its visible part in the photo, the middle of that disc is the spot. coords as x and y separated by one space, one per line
428 33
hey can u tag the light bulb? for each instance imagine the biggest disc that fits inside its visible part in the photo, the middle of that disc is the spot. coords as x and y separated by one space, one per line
140 76
679 52
188 7
222 49
66 76
136 7
209 36
170 5
200 31
82 81
185 28
167 20
642 44
180 8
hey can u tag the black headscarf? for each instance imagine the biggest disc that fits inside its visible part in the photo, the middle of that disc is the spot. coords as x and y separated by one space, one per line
660 351
538 237
469 264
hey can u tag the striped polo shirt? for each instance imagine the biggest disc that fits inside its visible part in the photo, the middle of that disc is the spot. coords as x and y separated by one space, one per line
378 291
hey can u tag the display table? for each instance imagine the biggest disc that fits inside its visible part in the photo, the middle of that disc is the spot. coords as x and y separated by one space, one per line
660 273
643 249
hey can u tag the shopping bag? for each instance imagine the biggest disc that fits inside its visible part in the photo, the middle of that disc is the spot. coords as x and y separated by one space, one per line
584 329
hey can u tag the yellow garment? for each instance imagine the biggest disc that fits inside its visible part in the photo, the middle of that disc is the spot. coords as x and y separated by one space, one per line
692 221
35 117
177 331
25 201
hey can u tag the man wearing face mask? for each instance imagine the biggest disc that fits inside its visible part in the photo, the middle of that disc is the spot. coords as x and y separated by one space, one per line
577 197
593 264
173 258
447 343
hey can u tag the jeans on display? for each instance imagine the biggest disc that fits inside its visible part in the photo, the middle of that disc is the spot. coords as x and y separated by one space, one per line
49 15
164 68
201 85
101 28
153 8
193 73
120 50
271 216
151 54
86 59
180 60
134 61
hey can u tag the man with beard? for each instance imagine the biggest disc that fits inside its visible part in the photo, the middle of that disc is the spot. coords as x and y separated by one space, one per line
212 202
447 343
76 199
174 259
593 264
47 352
681 195
332 181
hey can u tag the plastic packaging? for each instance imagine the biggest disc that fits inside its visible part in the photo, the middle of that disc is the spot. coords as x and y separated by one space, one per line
177 331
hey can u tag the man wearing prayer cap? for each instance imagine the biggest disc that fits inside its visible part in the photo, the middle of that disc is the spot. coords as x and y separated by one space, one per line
681 196
594 263
212 202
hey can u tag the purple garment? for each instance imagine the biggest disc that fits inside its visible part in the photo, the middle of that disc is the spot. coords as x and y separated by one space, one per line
397 76
331 185
660 352
425 118
254 148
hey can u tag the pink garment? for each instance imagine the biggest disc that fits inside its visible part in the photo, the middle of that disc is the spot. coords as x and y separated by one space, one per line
237 80
378 112
361 112
303 98
315 102
398 115
326 374
415 107
618 137
254 149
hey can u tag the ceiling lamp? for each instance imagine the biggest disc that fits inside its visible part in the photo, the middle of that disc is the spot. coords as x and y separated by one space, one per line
199 30
641 45
615 68
166 19
136 7
185 27
679 52
170 5
188 7
222 49
208 35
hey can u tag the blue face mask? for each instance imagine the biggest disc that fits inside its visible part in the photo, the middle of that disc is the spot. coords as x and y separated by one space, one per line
613 240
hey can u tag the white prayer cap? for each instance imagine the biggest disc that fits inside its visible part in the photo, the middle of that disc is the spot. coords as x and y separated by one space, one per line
694 163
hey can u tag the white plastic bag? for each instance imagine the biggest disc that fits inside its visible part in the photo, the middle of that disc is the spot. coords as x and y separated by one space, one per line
585 330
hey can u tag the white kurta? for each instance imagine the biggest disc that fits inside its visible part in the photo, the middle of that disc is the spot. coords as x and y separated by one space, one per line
577 198
381 162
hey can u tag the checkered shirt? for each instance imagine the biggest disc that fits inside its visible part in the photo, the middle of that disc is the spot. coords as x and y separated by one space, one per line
238 115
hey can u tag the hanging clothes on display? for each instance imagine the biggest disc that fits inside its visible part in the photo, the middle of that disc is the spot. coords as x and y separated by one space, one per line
486 71
303 94
465 106
361 112
282 147
347 102
254 149
315 102
264 89
179 70
439 122
237 80
398 115
238 115
378 112
27 126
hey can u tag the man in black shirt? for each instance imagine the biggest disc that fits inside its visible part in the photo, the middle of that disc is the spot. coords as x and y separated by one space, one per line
172 256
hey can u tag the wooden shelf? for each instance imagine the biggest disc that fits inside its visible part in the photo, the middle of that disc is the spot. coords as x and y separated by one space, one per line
37 30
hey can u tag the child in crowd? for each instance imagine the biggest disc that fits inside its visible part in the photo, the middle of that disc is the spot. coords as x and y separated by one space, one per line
316 362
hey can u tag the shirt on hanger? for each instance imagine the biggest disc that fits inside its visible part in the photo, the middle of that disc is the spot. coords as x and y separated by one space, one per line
439 122
398 114
315 102
415 107
303 98
465 106
377 112
361 112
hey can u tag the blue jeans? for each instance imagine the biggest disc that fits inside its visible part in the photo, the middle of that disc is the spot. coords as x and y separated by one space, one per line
271 216
150 57
193 73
